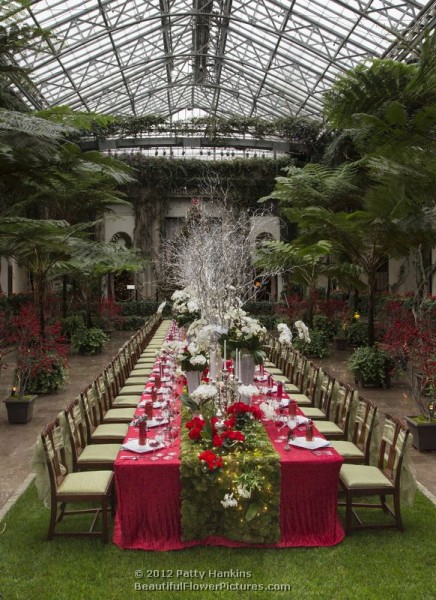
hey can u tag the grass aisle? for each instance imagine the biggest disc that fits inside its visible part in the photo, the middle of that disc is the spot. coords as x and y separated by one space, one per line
378 565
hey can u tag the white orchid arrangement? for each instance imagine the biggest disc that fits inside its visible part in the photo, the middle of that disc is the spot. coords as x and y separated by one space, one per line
303 331
245 333
285 336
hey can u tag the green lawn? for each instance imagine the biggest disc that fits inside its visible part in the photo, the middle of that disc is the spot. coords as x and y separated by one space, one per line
383 564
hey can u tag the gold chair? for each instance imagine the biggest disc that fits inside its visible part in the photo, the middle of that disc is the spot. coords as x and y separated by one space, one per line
66 488
381 480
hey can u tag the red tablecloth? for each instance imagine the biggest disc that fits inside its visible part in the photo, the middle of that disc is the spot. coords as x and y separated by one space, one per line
149 497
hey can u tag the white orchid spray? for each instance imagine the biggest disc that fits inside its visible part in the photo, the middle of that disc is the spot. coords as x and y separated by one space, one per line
285 336
229 501
303 331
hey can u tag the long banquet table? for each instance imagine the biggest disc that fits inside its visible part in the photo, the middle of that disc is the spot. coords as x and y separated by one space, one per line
149 490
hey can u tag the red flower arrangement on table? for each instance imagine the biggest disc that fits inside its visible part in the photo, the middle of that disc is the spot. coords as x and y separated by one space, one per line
238 415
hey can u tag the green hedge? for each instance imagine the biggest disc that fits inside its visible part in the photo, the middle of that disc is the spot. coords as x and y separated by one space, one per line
142 308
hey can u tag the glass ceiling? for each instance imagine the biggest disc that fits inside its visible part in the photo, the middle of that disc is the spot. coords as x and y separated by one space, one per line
265 58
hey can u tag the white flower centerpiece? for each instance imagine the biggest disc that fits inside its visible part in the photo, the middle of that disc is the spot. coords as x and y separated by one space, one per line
245 336
246 393
185 307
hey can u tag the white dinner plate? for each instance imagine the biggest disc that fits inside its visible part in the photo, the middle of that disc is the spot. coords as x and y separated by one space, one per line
133 446
317 442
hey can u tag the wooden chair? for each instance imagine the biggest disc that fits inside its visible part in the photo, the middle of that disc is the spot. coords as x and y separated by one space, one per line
356 450
338 429
381 480
96 487
86 457
322 398
98 432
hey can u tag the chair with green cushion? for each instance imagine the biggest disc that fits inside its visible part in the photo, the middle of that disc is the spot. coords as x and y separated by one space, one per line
86 457
357 451
136 380
364 481
110 414
323 397
304 399
67 488
338 429
132 390
97 432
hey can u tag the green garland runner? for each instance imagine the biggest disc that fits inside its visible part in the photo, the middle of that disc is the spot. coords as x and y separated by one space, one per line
255 466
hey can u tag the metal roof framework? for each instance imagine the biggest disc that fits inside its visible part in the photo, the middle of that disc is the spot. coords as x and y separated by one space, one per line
264 58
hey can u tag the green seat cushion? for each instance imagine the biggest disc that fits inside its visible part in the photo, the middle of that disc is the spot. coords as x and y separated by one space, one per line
99 453
290 387
268 364
275 371
132 390
119 414
313 413
347 449
141 370
328 428
124 401
281 379
95 482
114 431
302 400
363 476
133 380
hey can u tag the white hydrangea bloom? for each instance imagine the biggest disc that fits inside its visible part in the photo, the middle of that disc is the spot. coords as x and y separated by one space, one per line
248 390
203 393
199 359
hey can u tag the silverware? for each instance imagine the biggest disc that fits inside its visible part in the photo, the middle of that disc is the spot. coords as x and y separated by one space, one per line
129 457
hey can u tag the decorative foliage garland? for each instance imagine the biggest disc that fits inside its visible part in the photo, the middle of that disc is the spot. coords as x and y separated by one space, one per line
230 479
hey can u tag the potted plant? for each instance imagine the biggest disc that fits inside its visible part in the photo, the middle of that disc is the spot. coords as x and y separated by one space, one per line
410 339
370 365
37 355
423 426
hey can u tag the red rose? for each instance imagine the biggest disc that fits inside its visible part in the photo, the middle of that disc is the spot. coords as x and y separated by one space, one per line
217 440
211 459
195 422
195 433
256 412
238 407
230 422
236 435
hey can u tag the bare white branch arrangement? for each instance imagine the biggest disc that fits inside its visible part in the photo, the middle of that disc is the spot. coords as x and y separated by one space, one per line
212 258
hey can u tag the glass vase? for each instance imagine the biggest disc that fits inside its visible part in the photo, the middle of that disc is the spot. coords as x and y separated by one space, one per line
193 379
247 369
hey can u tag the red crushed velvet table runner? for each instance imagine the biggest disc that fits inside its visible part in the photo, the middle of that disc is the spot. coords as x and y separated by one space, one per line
149 497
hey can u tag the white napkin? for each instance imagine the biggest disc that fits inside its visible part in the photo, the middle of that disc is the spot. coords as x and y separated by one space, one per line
317 442
134 446
297 420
